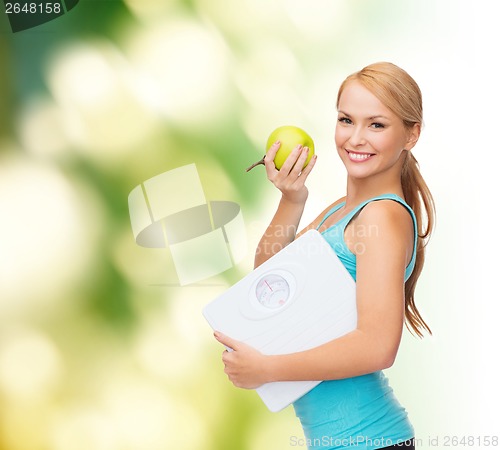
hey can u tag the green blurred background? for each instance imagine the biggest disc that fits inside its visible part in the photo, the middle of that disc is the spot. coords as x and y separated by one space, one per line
100 348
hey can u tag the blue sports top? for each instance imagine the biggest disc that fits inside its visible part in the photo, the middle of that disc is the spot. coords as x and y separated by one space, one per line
334 235
360 412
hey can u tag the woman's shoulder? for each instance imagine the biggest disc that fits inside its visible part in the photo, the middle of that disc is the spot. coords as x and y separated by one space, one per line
382 233
388 216
386 204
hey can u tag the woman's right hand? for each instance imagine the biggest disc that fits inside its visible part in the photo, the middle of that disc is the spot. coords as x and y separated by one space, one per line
291 178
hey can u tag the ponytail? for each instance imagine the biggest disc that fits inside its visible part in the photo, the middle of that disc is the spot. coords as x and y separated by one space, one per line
418 196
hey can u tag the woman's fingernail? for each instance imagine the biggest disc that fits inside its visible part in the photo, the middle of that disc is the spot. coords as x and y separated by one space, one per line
277 142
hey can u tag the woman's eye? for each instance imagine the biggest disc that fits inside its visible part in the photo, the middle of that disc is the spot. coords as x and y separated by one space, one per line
345 120
378 125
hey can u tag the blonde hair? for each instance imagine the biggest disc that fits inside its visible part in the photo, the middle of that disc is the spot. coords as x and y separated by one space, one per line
399 92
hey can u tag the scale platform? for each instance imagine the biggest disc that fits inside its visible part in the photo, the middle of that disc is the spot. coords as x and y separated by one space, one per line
300 298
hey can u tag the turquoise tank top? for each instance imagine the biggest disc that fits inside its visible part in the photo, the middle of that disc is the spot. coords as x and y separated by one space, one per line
361 412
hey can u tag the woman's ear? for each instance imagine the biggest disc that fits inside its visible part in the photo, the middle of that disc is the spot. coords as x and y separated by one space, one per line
413 135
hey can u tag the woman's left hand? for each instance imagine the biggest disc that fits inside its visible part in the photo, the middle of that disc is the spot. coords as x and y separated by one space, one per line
245 367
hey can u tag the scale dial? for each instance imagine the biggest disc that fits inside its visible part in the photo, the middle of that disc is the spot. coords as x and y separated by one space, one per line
272 291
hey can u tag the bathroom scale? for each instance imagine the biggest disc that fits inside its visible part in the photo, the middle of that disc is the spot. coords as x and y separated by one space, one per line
300 298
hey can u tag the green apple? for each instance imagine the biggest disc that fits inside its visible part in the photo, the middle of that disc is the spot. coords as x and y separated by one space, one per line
289 136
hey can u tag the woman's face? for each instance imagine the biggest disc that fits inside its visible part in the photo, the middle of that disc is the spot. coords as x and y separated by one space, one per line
370 138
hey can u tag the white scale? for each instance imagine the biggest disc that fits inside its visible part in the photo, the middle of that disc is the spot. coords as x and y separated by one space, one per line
300 298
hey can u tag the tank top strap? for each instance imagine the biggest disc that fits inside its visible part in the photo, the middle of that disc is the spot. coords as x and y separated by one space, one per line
329 213
342 223
345 221
348 217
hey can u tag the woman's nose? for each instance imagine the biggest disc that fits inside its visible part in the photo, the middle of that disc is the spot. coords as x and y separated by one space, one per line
357 137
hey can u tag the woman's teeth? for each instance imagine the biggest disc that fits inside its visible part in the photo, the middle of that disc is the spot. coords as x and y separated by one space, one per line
359 156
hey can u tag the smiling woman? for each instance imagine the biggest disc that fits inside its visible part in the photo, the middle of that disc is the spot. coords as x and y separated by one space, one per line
380 117
393 90
369 130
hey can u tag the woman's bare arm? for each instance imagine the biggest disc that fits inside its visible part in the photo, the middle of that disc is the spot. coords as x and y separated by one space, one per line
290 180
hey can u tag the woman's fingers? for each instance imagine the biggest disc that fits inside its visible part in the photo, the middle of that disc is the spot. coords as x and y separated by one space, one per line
291 176
293 163
271 154
297 174
226 340
290 161
307 170
298 167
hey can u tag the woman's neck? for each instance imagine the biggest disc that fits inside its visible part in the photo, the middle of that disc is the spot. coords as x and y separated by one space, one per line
360 190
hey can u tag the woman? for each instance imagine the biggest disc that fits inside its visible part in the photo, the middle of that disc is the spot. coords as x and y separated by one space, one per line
379 231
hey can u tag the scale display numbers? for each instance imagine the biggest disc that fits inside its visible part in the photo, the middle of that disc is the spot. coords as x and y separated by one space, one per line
272 291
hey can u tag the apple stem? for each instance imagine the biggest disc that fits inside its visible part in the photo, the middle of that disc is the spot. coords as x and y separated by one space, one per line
261 161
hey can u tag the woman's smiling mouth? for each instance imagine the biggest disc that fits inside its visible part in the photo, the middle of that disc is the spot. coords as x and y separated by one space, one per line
359 157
